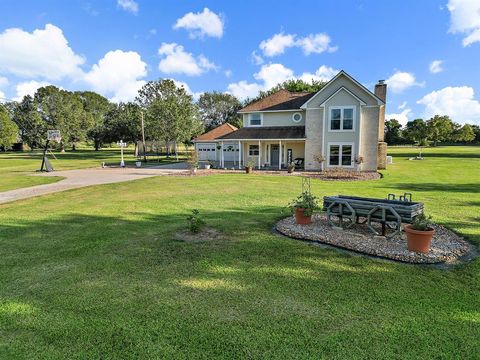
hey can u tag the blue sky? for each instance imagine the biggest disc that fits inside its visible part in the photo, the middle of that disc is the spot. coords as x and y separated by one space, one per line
428 51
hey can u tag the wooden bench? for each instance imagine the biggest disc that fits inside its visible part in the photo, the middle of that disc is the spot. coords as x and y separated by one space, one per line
388 212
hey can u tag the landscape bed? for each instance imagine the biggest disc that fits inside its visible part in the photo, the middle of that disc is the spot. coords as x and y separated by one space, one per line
447 247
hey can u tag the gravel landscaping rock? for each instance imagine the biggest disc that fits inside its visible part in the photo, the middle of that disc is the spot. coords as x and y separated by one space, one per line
447 247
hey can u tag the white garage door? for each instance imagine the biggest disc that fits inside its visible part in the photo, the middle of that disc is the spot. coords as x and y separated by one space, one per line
206 151
230 152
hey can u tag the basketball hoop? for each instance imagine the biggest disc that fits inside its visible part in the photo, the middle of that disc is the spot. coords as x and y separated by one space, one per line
54 135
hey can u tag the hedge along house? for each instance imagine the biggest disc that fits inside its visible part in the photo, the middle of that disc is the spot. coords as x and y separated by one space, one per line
343 123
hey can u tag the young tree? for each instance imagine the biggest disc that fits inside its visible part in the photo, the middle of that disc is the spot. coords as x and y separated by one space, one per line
393 132
170 114
8 129
416 132
218 108
440 129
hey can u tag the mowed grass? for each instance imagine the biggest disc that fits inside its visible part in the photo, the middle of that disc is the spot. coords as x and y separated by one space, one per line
18 169
98 273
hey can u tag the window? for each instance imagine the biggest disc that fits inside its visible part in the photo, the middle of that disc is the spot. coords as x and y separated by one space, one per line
253 150
340 155
255 119
296 117
342 119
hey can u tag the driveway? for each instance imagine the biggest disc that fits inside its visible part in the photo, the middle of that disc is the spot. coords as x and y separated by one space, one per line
87 177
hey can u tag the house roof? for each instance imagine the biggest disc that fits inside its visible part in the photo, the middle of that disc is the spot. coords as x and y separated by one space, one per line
281 100
266 133
221 130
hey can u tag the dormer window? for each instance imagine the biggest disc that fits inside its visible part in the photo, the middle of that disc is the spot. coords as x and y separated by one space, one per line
255 119
342 118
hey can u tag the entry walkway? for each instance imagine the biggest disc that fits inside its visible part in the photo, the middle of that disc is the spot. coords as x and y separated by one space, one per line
86 177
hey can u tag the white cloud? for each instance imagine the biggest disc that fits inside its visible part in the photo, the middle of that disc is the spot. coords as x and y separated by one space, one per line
28 88
323 73
316 44
401 81
202 24
402 117
42 53
311 44
273 74
3 97
402 106
465 19
175 60
128 5
243 89
118 75
436 66
228 73
257 59
456 102
3 81
277 44
270 75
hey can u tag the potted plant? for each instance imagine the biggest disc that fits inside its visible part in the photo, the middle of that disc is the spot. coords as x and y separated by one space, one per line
291 167
304 206
208 165
193 162
138 163
249 165
419 234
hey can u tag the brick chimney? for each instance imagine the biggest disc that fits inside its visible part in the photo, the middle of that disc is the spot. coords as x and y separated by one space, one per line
381 92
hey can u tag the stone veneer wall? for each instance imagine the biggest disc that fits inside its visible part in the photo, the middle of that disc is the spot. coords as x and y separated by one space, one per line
382 156
313 133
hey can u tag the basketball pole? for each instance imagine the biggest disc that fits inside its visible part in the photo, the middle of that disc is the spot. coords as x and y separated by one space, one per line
143 140
44 154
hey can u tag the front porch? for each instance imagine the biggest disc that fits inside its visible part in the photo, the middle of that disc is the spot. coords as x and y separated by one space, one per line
264 154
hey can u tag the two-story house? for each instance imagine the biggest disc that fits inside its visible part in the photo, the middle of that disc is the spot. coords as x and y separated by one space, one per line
342 124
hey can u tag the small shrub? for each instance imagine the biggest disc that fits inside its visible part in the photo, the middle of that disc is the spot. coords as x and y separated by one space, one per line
195 222
193 160
422 222
305 201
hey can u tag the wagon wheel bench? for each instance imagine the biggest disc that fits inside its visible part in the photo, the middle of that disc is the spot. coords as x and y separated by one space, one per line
388 212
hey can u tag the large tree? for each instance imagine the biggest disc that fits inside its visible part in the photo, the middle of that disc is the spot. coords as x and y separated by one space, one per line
170 113
95 108
32 127
8 129
393 132
476 131
416 132
463 133
62 110
440 129
122 122
218 108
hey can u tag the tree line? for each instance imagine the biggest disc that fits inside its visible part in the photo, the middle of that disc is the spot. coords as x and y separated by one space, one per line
436 130
170 115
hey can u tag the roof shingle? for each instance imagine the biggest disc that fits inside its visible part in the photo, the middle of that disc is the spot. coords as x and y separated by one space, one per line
221 130
266 133
281 100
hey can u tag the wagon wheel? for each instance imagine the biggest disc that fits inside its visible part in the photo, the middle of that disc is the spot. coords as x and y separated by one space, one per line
384 209
341 216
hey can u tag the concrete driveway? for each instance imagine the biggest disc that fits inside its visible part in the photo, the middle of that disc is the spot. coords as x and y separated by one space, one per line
87 177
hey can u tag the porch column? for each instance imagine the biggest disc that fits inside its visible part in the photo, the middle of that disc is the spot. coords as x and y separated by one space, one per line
222 161
280 155
239 155
259 154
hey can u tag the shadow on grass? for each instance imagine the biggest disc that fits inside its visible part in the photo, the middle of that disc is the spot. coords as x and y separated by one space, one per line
460 188
427 154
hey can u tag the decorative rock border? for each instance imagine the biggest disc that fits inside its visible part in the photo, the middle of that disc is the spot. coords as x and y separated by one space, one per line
447 247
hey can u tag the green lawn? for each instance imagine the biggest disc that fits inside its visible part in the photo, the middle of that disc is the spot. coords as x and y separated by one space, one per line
14 166
97 273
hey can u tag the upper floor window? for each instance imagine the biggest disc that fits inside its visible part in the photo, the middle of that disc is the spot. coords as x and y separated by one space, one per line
255 119
342 119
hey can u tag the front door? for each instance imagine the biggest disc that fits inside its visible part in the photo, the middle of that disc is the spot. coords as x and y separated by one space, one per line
274 155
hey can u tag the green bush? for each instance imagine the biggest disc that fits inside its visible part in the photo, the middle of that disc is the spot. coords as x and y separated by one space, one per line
195 222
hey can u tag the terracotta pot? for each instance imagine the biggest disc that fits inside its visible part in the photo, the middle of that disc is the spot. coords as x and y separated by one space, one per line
418 241
300 218
248 169
290 170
